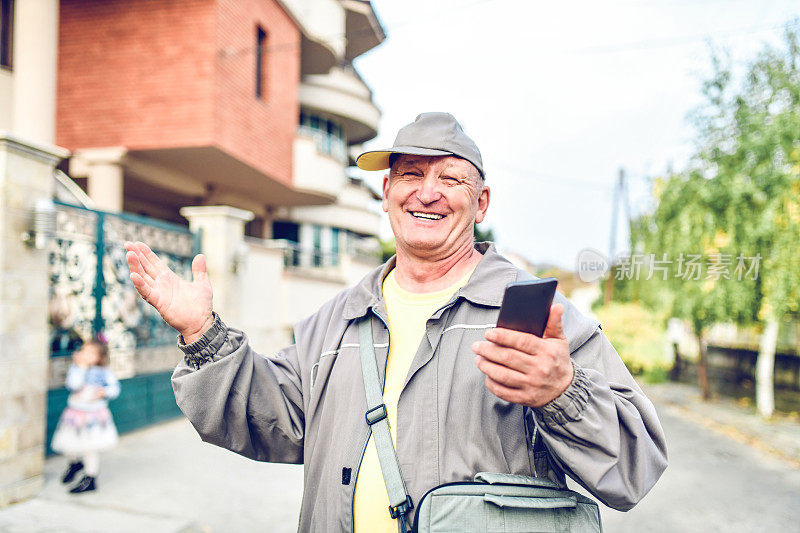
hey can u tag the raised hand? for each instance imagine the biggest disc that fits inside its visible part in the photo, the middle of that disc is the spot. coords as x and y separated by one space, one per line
184 305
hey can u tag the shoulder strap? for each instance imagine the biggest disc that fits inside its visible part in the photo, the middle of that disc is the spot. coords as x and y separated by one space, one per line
399 500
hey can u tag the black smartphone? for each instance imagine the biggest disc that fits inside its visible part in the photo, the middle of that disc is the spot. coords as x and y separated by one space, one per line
526 305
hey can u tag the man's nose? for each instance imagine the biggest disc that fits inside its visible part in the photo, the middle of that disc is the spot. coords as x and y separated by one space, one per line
428 191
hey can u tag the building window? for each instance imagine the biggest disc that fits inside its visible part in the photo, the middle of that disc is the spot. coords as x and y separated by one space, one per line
6 32
328 136
317 245
335 236
261 54
288 231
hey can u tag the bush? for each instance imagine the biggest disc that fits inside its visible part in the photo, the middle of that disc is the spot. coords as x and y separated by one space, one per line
639 337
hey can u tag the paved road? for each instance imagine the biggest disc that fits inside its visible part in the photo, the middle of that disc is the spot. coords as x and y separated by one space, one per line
714 484
164 479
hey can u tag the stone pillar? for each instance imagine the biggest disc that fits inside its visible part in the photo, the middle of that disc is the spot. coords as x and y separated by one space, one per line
26 177
35 53
267 229
104 186
105 176
222 242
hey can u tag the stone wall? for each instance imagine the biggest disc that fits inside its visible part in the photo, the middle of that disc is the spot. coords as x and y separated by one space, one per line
26 177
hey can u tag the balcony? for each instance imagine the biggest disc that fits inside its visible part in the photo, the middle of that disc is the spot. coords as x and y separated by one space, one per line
364 31
322 23
328 135
359 221
343 94
324 263
216 176
317 171
297 281
354 210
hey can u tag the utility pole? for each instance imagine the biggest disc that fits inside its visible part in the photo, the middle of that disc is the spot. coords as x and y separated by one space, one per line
620 195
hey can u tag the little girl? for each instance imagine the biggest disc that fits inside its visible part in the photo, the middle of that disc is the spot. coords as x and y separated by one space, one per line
86 427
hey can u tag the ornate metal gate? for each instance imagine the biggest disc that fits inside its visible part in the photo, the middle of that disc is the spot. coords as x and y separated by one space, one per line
91 292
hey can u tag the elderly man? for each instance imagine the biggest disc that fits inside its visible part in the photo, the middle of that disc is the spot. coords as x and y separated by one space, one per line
461 395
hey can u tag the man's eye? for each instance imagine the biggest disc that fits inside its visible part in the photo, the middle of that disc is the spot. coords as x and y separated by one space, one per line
416 174
450 179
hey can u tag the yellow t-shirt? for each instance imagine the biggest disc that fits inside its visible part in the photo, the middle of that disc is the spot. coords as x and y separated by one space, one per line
408 314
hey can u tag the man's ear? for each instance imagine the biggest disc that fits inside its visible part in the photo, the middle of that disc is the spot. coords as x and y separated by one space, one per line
385 194
483 205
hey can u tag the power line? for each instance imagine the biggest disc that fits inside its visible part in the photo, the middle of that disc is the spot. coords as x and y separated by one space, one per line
678 41
520 173
271 48
527 174
599 49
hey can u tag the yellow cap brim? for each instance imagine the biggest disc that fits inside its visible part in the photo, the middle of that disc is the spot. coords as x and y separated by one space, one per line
379 159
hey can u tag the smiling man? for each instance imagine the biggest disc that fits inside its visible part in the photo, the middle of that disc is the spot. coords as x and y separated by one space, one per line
433 204
461 396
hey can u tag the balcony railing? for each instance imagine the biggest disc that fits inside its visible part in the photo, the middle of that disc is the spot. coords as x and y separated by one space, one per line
296 256
325 142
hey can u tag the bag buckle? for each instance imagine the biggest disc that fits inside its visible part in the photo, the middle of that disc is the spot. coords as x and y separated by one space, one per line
402 509
374 417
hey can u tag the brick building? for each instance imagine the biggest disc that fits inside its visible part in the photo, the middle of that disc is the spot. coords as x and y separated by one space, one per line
227 123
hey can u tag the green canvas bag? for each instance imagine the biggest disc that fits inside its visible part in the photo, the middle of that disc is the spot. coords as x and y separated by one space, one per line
492 502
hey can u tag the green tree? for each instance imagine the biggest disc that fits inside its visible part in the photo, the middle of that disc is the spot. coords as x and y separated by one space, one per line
683 231
388 249
483 235
751 150
740 198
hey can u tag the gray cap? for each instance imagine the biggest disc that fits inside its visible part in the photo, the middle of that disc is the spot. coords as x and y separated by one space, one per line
430 134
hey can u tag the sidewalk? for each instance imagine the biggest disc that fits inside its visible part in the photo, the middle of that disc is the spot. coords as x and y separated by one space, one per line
779 437
164 479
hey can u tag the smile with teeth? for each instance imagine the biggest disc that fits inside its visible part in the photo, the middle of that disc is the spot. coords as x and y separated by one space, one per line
427 216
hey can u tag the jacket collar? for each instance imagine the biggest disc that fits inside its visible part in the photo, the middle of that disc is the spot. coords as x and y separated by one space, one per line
485 286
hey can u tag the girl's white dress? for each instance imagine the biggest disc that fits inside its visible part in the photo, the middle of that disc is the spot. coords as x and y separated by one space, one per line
86 424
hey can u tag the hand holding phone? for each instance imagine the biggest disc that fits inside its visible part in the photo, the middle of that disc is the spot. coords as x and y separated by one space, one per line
526 359
526 305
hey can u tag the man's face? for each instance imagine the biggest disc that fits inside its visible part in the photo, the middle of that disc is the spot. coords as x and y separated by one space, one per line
433 203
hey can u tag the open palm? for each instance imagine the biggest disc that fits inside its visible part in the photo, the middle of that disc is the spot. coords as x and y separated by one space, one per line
184 305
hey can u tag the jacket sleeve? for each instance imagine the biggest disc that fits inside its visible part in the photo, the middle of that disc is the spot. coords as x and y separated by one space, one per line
603 431
240 400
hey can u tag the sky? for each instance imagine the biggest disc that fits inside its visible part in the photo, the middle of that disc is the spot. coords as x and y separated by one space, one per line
559 96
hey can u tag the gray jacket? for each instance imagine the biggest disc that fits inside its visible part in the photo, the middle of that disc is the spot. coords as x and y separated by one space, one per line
306 403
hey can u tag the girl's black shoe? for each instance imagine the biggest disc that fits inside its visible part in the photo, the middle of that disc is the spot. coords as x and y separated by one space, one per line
86 483
73 469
